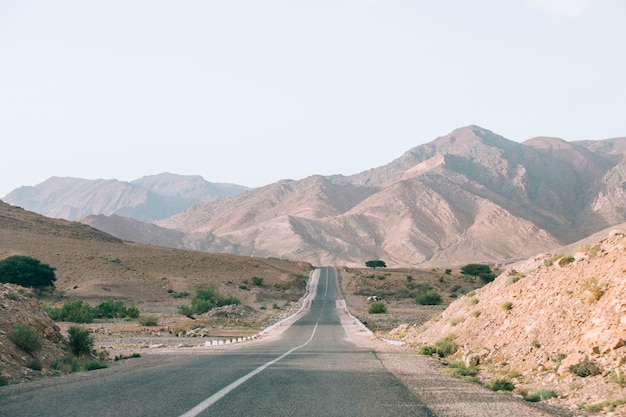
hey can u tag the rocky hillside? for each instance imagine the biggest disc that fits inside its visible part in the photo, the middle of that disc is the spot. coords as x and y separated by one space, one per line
542 316
147 199
93 266
470 196
18 307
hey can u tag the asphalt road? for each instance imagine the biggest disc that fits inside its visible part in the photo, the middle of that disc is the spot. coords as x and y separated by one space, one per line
310 370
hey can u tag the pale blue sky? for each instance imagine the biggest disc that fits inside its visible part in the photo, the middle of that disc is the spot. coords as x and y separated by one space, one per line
252 92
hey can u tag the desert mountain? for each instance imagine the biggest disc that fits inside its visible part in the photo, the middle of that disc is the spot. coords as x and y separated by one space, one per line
147 199
469 196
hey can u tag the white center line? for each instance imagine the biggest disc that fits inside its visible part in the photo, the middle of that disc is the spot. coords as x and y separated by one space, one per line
224 391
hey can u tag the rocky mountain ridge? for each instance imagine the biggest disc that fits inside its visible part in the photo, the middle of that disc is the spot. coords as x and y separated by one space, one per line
469 196
146 199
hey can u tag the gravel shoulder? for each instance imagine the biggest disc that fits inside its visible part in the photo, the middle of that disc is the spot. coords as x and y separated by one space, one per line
445 395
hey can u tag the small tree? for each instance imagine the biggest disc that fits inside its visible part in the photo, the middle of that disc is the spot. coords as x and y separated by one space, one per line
481 271
27 272
375 264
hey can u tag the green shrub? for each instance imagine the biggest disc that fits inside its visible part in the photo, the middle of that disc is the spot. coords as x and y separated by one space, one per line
26 338
541 395
110 308
462 370
429 298
427 350
257 281
74 311
562 260
3 381
446 346
122 357
92 365
377 308
207 298
34 364
148 320
585 368
180 294
501 385
132 312
81 342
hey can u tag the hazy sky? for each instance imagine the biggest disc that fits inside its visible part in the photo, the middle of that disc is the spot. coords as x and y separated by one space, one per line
251 92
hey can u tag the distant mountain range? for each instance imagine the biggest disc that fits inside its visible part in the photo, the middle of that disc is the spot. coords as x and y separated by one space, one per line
147 199
469 196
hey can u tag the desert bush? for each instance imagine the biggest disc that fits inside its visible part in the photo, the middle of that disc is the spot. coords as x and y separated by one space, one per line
559 259
427 350
74 311
123 357
207 298
507 306
257 281
81 341
456 320
618 377
500 384
377 308
512 279
180 294
585 368
110 308
26 338
34 364
148 320
92 365
446 346
461 370
595 288
3 381
443 347
473 301
69 364
429 298
540 395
